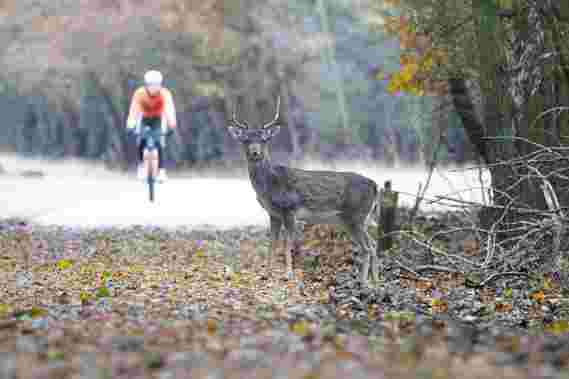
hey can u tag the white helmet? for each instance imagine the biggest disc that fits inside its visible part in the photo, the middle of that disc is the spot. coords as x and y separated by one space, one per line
153 77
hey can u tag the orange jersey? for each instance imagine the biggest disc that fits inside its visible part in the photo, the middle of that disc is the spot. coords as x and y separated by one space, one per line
144 105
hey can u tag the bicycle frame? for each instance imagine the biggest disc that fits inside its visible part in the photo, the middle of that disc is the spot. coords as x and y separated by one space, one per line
150 157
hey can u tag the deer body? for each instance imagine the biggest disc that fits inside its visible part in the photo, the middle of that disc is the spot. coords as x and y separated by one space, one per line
316 197
290 195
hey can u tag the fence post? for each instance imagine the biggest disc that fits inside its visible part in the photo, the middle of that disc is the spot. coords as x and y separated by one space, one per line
388 201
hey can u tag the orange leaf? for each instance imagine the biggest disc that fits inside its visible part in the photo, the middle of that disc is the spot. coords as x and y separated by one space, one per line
392 3
538 296
424 284
503 307
345 355
211 326
406 59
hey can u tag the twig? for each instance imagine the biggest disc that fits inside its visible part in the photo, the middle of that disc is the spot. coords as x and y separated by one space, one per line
499 274
432 201
520 210
416 206
438 251
432 166
401 265
437 268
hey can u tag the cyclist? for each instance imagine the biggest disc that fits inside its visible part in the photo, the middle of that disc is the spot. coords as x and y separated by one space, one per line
151 105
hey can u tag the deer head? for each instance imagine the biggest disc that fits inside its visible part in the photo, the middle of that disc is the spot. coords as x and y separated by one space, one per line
254 140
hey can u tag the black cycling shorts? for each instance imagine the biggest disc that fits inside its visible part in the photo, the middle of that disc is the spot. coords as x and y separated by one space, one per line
154 123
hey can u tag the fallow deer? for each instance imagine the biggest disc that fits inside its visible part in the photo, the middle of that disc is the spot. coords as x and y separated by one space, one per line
316 197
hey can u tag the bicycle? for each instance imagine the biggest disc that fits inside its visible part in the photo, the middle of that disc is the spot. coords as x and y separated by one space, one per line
150 157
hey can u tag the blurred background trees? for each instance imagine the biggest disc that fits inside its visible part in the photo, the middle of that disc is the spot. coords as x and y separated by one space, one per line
69 68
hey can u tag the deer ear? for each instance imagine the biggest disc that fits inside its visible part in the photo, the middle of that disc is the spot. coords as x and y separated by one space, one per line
271 131
234 131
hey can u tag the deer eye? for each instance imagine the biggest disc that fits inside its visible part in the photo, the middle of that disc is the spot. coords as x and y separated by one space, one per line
266 136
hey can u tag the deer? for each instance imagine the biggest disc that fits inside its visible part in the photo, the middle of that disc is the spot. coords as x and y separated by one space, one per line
291 195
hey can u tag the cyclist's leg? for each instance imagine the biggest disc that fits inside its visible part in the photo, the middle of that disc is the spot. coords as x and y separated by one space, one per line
141 150
158 143
152 122
162 142
156 124
160 151
160 159
140 169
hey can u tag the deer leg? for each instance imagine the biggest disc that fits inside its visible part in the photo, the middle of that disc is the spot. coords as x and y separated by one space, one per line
358 234
374 258
276 226
372 254
290 244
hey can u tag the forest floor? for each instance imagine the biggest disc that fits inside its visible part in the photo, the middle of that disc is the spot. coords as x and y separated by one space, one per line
144 302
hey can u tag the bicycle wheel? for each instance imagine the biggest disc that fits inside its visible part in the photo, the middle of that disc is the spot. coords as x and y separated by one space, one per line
151 187
151 180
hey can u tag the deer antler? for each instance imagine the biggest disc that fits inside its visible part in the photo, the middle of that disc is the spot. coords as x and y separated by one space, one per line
237 123
268 125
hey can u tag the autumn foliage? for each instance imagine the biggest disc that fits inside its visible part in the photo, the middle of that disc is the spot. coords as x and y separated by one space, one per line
417 61
57 43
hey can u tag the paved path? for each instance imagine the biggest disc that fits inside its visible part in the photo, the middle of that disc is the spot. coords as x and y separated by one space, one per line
76 194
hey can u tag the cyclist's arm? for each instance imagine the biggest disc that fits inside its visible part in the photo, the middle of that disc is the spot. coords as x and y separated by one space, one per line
170 109
134 112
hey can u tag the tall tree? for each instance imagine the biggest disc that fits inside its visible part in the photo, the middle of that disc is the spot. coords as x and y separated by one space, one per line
510 53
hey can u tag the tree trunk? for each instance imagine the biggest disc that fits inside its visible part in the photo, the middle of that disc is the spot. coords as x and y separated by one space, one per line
503 176
550 92
506 84
464 106
286 93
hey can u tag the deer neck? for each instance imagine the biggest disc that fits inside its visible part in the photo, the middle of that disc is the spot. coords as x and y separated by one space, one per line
260 173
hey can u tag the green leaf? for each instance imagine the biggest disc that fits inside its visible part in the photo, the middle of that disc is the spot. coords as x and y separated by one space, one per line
558 327
55 355
328 329
85 296
29 314
5 309
400 316
473 280
103 292
38 312
153 359
23 317
64 264
301 328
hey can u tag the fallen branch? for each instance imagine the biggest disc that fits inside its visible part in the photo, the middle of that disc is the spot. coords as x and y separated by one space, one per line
438 251
500 274
437 268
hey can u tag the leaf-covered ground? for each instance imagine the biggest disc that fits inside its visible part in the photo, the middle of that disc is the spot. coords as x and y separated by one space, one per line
124 304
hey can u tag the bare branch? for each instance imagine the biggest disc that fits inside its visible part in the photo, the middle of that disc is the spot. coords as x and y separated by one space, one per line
497 275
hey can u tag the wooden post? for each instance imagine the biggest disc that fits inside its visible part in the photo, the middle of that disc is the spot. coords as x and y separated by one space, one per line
388 201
